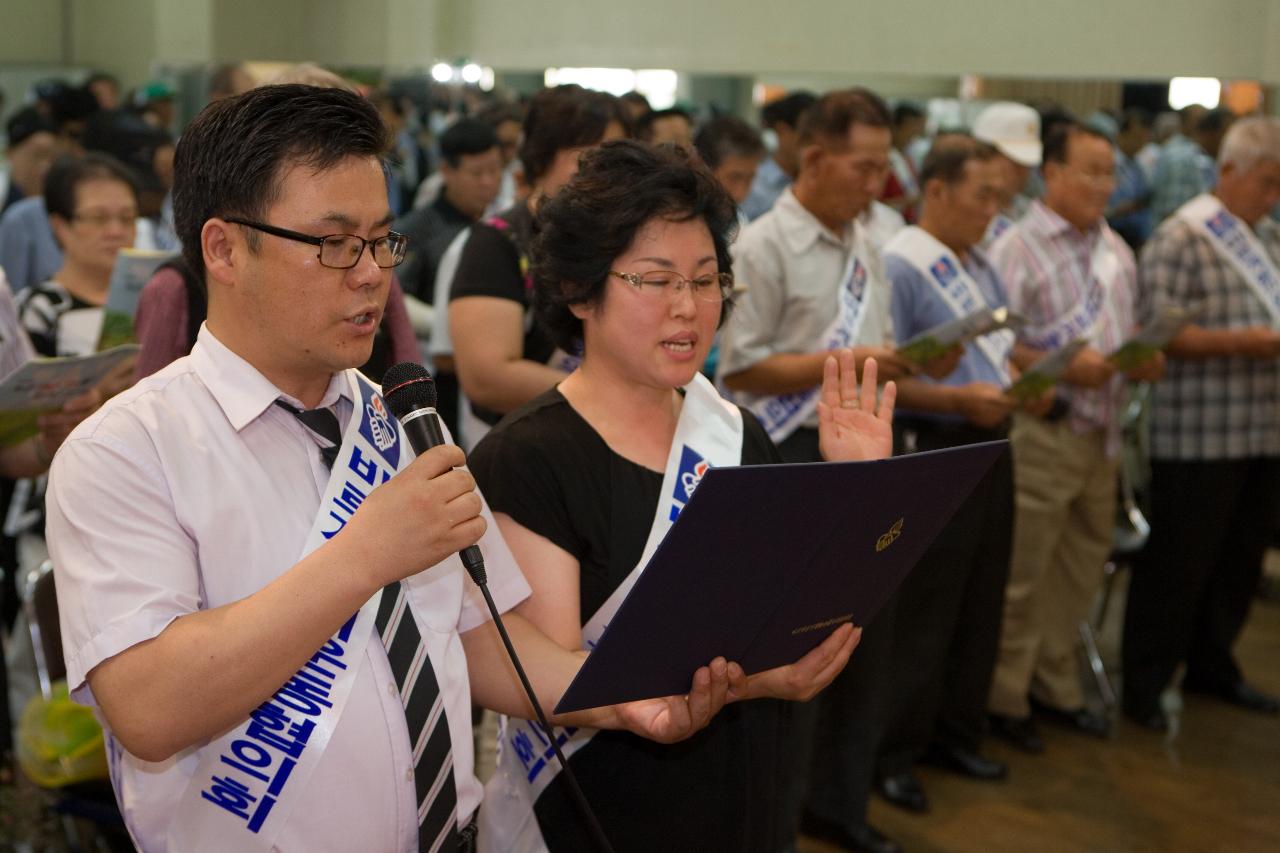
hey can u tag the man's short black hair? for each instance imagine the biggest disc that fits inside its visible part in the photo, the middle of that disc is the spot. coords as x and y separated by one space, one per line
594 219
787 110
1135 116
832 116
232 157
26 123
68 173
904 112
1059 138
464 137
636 98
727 136
497 114
948 154
68 104
100 77
644 129
1216 120
567 116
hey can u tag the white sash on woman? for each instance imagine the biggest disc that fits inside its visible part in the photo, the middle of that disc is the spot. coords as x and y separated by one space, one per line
708 435
952 282
1237 244
1082 320
250 778
781 415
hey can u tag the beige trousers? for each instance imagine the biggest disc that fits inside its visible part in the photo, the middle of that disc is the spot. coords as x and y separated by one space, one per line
1063 525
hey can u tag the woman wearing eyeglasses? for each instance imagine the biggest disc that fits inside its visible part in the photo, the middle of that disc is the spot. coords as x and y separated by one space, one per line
93 206
631 261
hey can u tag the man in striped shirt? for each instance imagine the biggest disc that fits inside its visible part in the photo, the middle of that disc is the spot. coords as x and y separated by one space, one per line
1073 278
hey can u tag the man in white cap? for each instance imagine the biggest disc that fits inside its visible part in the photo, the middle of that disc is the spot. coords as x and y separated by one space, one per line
1014 130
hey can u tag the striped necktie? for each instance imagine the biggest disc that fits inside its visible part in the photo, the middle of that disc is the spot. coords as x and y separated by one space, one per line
434 787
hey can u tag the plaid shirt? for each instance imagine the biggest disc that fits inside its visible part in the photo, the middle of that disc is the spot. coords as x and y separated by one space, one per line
1183 172
1046 266
1214 408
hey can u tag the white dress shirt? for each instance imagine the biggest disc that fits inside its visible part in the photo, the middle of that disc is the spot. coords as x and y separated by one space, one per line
790 265
191 491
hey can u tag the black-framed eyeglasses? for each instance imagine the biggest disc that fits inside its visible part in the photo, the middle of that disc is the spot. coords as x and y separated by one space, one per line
341 251
713 287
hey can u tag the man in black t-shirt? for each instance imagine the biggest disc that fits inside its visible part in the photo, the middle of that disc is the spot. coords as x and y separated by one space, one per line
472 173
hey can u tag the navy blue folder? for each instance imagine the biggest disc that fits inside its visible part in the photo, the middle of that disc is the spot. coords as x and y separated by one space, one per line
766 561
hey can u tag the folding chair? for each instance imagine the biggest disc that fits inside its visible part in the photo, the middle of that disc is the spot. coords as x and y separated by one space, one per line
1131 533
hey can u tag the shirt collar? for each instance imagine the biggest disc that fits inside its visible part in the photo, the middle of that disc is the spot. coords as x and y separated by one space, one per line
801 229
241 390
1049 223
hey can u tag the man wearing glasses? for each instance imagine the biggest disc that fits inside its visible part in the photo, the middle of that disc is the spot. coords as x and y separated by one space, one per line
215 528
1073 278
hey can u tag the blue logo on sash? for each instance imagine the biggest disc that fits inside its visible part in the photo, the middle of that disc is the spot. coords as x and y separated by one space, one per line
1221 223
944 271
692 467
859 279
378 427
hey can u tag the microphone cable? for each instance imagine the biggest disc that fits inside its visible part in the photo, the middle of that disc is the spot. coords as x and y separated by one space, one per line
410 393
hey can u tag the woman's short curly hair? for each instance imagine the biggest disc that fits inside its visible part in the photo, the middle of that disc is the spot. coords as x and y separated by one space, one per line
594 219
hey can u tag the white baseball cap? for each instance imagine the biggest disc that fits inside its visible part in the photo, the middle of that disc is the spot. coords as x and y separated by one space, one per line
1014 129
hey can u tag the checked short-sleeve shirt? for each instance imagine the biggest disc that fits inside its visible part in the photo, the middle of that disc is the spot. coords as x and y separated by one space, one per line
1216 408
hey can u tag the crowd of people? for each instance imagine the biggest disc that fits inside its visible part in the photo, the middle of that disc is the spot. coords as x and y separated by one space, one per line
593 283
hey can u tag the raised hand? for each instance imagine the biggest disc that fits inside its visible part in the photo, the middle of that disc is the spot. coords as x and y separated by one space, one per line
850 426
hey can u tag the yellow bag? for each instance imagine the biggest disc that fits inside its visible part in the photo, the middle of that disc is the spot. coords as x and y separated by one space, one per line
60 742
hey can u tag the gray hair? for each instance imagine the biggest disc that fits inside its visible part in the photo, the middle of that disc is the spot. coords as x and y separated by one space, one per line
1251 141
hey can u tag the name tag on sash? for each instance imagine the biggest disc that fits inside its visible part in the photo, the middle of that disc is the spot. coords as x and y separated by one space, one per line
1082 320
1235 242
708 434
249 780
782 414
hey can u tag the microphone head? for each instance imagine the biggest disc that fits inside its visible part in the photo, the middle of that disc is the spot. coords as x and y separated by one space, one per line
407 386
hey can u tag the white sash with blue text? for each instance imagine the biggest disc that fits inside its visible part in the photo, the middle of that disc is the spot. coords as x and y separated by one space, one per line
708 435
996 227
781 415
1235 241
1082 320
952 282
250 778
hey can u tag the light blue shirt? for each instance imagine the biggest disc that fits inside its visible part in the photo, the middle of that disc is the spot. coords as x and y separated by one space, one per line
769 183
29 253
1131 184
917 307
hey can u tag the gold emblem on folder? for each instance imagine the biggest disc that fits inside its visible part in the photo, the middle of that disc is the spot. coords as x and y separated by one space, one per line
892 536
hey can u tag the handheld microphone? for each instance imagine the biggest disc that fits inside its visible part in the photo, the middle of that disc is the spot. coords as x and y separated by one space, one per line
410 393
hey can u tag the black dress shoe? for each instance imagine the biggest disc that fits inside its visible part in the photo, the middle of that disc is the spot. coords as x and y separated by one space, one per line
966 762
1080 720
1155 721
1019 731
1240 694
859 839
904 791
